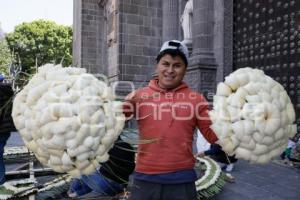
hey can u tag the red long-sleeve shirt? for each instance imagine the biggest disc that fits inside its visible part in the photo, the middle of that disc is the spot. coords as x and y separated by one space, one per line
166 121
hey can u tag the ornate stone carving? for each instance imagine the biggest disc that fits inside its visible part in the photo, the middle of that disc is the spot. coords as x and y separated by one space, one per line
111 13
102 3
186 22
202 80
192 79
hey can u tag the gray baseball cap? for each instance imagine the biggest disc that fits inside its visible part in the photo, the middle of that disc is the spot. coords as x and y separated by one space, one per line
175 44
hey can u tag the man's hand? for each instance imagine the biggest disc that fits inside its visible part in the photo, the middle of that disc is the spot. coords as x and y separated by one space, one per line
200 154
227 146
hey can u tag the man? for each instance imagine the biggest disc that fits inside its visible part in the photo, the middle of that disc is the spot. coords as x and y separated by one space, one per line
167 112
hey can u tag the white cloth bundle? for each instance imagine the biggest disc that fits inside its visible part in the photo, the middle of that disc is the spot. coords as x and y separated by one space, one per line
252 115
68 118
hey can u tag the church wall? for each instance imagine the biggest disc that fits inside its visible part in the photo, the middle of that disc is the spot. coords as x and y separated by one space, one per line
139 39
121 39
223 30
88 36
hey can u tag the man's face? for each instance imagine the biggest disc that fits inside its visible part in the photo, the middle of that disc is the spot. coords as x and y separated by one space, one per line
171 71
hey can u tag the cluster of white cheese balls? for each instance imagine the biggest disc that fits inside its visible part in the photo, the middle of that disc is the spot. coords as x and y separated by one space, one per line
68 118
252 115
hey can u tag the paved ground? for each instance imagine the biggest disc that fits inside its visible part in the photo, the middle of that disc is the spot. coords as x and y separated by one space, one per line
253 182
262 182
14 140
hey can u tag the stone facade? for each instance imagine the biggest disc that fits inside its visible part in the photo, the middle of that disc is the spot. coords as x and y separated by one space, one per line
139 39
122 38
88 36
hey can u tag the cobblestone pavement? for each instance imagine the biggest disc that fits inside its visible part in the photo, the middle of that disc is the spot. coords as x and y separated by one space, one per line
262 182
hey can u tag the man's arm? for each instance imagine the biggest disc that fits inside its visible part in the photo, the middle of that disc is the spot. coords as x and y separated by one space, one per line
129 105
203 120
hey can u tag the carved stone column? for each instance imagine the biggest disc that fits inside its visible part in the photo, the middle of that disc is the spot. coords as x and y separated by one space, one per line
201 73
203 27
170 19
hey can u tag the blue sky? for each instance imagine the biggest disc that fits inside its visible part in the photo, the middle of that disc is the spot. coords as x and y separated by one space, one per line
14 12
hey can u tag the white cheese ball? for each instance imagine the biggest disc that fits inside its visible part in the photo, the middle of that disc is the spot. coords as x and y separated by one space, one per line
252 115
68 118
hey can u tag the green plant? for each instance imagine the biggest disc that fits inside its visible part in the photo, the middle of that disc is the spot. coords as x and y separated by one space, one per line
40 42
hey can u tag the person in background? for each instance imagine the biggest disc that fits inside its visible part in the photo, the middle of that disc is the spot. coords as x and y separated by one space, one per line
287 152
167 112
294 155
216 153
6 123
112 177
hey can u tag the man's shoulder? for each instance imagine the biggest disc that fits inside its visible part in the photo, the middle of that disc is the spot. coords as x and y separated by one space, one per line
194 93
138 93
143 90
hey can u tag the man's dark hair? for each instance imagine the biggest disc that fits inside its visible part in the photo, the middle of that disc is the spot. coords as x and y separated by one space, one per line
173 53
